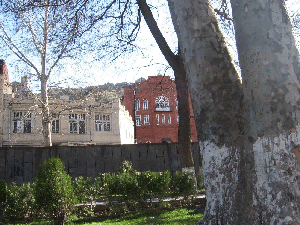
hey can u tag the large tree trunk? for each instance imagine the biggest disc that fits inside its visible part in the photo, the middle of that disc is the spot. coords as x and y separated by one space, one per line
216 94
270 66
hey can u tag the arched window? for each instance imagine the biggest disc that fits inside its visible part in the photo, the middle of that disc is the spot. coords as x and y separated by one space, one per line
162 103
145 104
137 104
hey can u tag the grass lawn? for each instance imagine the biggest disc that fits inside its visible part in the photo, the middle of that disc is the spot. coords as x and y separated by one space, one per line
167 216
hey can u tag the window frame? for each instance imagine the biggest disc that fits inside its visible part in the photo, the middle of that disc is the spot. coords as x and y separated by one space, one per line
162 103
138 120
146 120
145 104
103 122
22 122
55 123
77 123
137 105
163 119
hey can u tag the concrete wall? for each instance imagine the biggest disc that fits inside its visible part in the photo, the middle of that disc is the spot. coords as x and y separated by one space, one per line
21 164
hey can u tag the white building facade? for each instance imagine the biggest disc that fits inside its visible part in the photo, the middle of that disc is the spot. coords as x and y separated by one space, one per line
74 122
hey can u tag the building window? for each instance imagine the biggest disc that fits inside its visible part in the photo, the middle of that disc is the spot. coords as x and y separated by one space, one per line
55 123
22 122
77 123
177 118
169 119
145 104
146 120
157 119
103 122
138 120
137 104
163 120
162 103
176 104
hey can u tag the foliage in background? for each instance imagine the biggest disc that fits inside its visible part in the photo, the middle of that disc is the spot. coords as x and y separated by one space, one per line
87 191
3 190
3 187
19 202
54 191
126 167
182 184
53 195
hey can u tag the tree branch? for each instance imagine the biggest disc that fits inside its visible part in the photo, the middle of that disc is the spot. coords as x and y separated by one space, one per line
160 40
16 50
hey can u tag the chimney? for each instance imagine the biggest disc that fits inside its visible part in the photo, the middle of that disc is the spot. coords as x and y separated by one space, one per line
25 82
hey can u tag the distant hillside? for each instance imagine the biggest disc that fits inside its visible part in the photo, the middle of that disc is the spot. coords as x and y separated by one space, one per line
101 93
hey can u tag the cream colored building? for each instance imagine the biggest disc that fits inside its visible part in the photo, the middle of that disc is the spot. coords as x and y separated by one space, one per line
74 122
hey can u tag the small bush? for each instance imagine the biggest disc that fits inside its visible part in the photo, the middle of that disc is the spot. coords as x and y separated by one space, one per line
20 202
54 191
153 184
182 184
88 190
126 167
128 187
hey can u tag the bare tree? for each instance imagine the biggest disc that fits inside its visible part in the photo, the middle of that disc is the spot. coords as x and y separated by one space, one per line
43 33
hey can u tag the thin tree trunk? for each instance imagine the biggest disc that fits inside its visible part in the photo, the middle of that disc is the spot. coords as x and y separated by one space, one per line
216 95
176 62
45 115
184 129
270 66
44 79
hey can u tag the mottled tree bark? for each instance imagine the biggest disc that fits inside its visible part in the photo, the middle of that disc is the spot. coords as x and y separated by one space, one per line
270 66
216 94
47 140
250 144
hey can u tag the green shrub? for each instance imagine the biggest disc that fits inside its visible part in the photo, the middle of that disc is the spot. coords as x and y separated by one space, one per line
111 185
128 187
182 184
147 184
3 193
88 190
126 167
153 184
54 191
20 202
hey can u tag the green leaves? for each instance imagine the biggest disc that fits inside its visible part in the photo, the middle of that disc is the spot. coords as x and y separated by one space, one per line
18 202
54 191
182 184
54 196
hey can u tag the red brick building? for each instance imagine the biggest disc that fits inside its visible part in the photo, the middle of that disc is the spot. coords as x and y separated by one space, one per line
155 111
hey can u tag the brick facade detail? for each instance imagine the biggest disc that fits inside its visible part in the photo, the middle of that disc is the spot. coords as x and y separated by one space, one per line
156 120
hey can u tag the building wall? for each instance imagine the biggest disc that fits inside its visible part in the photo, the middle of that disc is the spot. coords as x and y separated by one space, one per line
21 164
93 136
121 126
126 126
151 89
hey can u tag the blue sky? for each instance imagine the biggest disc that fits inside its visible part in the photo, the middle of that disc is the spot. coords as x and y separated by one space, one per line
147 62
